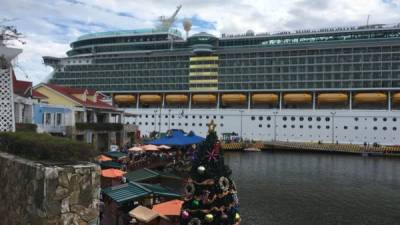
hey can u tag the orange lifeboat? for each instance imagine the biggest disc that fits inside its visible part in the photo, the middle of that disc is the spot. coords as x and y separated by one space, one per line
204 99
264 98
297 98
331 98
370 98
124 99
396 98
177 99
233 99
150 99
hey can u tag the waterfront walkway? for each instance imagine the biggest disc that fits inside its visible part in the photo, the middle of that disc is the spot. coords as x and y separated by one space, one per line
317 147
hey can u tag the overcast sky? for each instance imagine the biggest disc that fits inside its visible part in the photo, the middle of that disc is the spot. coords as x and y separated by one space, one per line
50 25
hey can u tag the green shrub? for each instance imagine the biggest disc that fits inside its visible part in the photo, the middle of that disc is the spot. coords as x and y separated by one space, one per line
99 126
45 147
29 127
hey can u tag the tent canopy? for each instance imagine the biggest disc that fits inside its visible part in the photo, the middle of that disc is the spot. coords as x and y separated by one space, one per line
178 137
170 208
112 173
143 214
103 158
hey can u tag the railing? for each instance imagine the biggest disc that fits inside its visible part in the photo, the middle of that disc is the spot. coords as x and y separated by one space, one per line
99 126
51 128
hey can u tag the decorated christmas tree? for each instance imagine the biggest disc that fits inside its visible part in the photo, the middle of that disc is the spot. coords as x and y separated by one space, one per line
210 194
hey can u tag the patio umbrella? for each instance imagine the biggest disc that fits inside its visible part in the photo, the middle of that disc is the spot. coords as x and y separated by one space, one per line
164 147
150 148
112 173
135 149
103 158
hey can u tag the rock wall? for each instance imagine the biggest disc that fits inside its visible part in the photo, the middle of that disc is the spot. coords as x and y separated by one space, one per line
36 194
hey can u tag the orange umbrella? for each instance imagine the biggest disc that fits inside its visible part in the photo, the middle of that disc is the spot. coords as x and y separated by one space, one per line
112 173
170 208
150 148
103 158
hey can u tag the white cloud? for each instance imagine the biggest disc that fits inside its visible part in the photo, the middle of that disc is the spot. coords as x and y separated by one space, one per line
50 26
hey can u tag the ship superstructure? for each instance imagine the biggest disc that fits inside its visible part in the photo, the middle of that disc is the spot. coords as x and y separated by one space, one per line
330 85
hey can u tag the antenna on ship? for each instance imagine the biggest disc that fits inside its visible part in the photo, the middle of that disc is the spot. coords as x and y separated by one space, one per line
368 20
166 23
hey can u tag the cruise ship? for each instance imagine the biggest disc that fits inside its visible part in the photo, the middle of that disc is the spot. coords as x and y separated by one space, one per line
331 85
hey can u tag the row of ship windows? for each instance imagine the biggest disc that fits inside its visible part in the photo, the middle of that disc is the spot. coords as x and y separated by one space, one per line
268 126
268 118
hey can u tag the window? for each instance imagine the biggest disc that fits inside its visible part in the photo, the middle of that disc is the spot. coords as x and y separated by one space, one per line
284 126
384 119
284 118
327 119
327 127
345 127
222 117
309 118
194 117
394 128
356 119
268 125
200 124
152 116
292 126
356 127
173 124
310 126
146 116
259 125
384 128
47 118
394 119
318 118
301 126
319 126
375 119
215 117
146 123
59 119
268 118
193 124
186 124
173 116
292 118
207 117
253 118
140 123
260 118
200 117
179 124
166 116
301 118
222 124
152 123
186 117
375 128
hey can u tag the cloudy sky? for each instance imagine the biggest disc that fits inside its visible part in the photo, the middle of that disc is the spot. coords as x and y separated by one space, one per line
50 25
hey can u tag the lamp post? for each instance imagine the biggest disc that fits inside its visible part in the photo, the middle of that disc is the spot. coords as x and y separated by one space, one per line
333 127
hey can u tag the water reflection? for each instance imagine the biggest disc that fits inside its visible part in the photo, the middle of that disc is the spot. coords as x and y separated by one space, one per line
280 188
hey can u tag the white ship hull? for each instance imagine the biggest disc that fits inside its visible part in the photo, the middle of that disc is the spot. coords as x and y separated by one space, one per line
297 125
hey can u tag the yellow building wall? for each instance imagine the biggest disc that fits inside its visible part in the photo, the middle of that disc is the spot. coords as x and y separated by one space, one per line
55 98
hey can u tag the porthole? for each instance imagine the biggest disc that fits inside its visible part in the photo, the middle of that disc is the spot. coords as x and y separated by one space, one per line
159 123
173 124
327 119
284 118
319 127
301 126
207 117
292 118
186 124
260 118
384 119
140 116
268 125
327 127
152 123
166 116
259 125
179 124
356 127
268 118
375 128
193 124
309 118
186 117
200 124
356 118
310 126
292 126
301 118
173 116
384 128
215 117
345 127
375 119
200 117
394 128
221 117
284 125
318 118
152 116
194 117
394 119
140 123
253 118
222 124
166 124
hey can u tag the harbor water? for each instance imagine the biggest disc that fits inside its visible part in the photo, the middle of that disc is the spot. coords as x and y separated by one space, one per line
282 188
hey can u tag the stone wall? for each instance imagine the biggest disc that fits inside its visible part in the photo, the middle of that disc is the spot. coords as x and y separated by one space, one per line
36 194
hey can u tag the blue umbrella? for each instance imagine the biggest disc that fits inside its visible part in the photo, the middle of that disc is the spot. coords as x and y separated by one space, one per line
178 137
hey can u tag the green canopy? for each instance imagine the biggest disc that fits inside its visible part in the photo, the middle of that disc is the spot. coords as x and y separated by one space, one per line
115 154
110 165
147 174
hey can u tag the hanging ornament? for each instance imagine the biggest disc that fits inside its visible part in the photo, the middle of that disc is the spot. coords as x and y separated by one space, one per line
223 183
189 189
185 214
204 196
224 216
194 221
201 169
209 217
196 202
237 216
